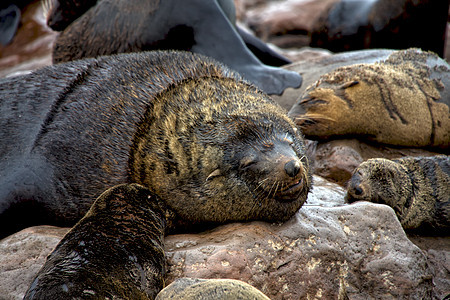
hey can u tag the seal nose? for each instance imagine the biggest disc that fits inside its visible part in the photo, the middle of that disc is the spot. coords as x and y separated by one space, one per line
292 167
357 190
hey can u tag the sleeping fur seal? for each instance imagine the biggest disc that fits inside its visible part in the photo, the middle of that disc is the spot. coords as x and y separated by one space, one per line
403 100
213 147
417 188
205 27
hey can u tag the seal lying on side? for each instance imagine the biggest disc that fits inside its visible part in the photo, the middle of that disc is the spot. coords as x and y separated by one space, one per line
417 188
205 27
403 100
213 147
114 252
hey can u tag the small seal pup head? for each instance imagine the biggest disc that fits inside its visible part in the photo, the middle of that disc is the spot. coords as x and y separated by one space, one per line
417 188
219 150
381 181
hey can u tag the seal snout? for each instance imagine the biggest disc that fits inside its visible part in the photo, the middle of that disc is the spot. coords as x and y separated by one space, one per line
292 168
357 189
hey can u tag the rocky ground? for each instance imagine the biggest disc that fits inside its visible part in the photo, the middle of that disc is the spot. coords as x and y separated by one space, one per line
329 250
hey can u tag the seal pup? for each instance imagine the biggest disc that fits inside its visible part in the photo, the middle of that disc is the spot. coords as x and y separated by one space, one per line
403 100
417 188
205 27
212 146
114 252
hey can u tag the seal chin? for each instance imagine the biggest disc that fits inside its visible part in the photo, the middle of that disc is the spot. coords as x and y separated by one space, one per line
291 193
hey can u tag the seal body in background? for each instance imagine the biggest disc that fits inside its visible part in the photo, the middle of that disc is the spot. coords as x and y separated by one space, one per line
204 27
213 147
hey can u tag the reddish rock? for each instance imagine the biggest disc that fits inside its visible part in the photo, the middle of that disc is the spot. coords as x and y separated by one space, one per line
22 256
335 160
285 24
32 45
358 250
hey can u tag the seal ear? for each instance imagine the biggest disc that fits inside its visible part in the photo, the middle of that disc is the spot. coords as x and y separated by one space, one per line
349 84
213 174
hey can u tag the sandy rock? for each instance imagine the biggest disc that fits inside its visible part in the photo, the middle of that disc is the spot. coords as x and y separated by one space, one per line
437 250
358 250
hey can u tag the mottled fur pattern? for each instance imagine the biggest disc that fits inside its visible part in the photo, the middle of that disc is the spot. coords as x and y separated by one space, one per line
206 289
417 188
213 147
400 101
114 252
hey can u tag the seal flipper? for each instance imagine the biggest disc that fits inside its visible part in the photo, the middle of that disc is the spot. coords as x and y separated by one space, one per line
260 49
223 43
9 22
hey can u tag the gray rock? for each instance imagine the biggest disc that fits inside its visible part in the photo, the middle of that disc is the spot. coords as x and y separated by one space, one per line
358 250
206 289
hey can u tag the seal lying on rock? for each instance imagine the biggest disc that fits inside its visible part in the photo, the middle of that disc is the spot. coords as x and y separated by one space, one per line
213 147
417 188
205 27
403 100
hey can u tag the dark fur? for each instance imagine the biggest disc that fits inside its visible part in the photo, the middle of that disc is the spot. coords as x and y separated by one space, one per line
115 252
393 24
417 188
205 27
213 147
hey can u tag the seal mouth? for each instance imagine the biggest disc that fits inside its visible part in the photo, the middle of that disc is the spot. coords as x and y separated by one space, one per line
291 193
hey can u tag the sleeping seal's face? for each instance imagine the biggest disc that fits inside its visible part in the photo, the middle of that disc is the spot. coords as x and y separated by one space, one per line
252 170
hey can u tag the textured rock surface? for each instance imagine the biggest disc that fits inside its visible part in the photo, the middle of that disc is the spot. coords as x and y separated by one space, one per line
335 160
22 255
327 249
358 250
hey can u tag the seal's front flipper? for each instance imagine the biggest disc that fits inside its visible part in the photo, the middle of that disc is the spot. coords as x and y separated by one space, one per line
9 22
216 37
260 49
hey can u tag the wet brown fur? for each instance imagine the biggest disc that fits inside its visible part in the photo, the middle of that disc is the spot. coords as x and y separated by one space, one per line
417 188
399 101
114 252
